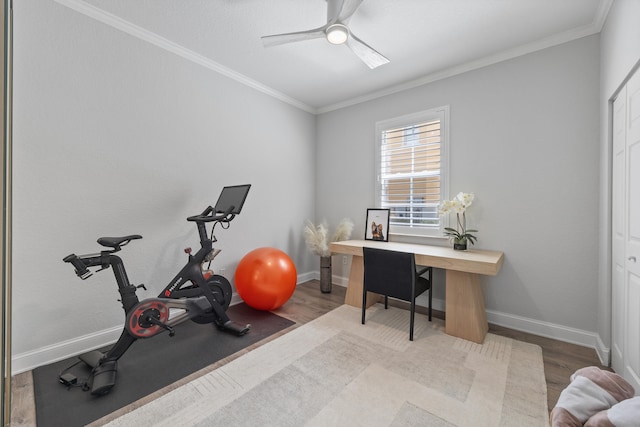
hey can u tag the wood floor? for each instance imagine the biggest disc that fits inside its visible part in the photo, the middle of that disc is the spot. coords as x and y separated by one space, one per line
307 303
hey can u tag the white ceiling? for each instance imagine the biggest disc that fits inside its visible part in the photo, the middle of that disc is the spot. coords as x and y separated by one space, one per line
424 39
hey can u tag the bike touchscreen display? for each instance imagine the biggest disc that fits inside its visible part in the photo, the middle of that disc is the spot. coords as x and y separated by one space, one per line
235 196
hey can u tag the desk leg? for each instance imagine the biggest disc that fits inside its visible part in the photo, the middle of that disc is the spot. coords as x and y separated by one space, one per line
465 316
354 288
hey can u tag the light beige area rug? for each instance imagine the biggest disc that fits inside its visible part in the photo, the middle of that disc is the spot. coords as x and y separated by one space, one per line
334 371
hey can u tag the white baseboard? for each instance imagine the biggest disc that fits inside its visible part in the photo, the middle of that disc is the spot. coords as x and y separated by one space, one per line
50 354
604 352
305 277
43 356
551 330
524 324
29 360
337 280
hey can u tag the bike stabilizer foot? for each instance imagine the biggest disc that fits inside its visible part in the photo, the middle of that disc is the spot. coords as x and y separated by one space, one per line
92 358
235 327
104 378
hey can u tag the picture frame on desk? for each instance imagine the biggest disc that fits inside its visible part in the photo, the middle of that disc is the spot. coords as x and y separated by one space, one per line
377 225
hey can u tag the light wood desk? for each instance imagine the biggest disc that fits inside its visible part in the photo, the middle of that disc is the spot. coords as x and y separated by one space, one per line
465 313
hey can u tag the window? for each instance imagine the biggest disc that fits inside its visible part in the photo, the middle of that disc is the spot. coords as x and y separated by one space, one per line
412 171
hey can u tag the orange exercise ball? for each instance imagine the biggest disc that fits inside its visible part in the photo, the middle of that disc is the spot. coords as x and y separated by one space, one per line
265 278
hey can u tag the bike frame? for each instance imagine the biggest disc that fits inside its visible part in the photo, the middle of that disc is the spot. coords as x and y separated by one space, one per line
195 298
201 297
192 271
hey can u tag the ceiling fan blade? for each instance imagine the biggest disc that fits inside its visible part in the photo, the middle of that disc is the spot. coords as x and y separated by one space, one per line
366 53
278 39
341 10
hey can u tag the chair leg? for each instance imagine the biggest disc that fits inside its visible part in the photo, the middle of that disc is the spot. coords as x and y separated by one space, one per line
413 310
386 302
364 304
430 298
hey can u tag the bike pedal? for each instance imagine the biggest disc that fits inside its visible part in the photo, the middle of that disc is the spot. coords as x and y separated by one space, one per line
236 328
244 330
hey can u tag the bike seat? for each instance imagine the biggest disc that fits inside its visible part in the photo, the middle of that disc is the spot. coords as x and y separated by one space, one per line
116 242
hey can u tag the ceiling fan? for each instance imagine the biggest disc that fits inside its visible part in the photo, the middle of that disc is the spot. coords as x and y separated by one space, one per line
335 31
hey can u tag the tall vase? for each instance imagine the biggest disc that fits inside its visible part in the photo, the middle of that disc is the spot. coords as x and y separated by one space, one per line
325 274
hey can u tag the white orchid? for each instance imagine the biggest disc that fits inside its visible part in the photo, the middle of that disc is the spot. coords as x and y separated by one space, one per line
460 235
458 204
459 207
446 207
466 199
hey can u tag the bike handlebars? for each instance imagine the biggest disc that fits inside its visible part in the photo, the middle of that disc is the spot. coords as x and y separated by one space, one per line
81 269
81 263
208 215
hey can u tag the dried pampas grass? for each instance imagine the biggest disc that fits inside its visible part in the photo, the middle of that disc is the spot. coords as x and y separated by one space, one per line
343 231
317 237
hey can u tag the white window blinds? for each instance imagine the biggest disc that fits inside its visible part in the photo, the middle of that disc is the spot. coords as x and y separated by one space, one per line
410 180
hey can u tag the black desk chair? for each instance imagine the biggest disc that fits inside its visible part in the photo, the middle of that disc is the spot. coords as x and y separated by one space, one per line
393 274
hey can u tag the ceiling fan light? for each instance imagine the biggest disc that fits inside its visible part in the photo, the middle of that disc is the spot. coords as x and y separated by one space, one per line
337 34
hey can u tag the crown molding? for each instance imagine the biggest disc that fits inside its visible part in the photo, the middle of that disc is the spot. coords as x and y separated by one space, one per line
163 43
601 14
118 23
505 55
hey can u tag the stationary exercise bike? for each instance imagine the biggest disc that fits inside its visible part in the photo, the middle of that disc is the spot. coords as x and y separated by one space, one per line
195 293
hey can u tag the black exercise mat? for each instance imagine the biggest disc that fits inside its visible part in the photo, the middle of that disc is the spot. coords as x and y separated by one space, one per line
148 365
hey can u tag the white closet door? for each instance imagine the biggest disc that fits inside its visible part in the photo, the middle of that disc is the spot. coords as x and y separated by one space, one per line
632 241
618 226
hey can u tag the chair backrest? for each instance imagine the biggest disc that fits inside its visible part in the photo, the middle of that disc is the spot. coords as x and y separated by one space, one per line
389 273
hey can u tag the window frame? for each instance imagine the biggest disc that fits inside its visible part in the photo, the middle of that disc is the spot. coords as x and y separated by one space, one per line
438 113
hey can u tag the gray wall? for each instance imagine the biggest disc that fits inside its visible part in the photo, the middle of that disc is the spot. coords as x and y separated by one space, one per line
525 139
116 136
620 53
